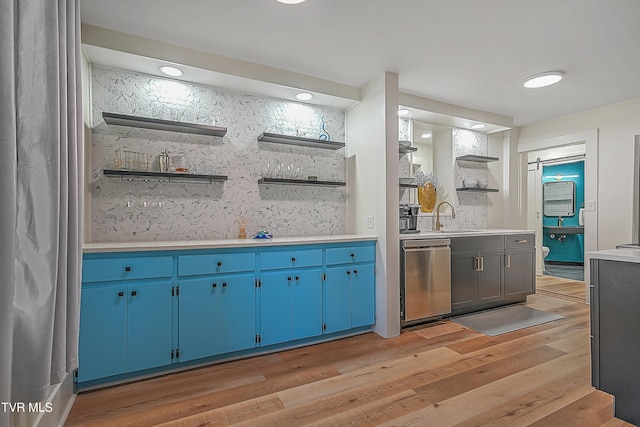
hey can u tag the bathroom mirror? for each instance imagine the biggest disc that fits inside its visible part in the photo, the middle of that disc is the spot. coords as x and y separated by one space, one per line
558 198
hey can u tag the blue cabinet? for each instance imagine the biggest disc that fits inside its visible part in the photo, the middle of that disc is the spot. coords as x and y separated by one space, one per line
216 311
290 305
199 318
237 312
125 327
152 311
350 288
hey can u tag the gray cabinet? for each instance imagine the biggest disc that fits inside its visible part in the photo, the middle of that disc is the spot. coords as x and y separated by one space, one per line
615 334
476 273
519 266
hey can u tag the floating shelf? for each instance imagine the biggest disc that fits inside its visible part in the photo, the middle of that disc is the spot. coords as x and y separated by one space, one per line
477 159
478 190
301 141
404 149
162 176
408 183
402 185
160 124
285 181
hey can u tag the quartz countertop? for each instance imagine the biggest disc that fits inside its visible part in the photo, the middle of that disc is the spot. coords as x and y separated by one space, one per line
216 244
463 233
620 254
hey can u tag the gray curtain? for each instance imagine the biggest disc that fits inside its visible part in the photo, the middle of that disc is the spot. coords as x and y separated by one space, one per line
40 196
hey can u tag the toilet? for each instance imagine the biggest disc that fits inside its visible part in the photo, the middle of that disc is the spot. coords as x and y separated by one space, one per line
545 253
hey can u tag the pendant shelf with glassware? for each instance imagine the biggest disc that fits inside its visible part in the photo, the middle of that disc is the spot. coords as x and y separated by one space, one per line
287 181
161 124
133 175
300 141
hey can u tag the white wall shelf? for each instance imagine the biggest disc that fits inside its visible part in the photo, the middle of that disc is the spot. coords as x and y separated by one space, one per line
161 124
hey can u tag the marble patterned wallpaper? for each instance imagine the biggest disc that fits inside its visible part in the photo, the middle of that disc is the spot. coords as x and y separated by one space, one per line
182 211
471 208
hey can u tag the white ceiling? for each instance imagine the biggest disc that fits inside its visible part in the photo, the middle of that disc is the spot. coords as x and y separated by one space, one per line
469 53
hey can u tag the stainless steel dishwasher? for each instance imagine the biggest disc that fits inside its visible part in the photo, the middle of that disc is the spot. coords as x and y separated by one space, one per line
425 279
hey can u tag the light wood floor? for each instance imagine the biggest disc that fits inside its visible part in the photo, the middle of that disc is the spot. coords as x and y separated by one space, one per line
436 375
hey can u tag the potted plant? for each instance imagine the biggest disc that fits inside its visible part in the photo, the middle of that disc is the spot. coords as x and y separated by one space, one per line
427 190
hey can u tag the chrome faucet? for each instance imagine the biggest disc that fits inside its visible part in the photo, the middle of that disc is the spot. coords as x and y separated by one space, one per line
453 214
560 220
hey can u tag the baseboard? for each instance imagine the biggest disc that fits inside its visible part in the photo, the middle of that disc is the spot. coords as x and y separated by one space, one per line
54 410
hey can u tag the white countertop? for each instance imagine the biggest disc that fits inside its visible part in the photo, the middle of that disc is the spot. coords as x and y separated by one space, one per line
463 233
620 254
217 244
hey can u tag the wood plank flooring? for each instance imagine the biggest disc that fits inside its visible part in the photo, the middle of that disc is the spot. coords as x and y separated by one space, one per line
440 374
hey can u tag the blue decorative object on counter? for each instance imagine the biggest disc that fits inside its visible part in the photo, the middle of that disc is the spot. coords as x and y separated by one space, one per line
262 234
324 135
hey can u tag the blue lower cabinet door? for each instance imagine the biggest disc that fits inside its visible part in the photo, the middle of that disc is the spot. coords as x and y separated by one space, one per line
307 304
103 332
237 312
149 325
363 295
276 311
338 299
198 318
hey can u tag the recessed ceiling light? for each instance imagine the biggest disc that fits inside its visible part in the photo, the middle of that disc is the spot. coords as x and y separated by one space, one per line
291 1
542 79
426 135
478 126
304 96
171 71
403 112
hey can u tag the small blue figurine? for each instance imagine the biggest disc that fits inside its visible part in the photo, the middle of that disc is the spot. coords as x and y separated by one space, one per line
262 234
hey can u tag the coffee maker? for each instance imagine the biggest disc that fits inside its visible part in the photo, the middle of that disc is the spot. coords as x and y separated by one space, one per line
409 218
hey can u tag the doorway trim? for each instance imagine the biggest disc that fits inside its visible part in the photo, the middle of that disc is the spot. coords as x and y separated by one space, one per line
590 139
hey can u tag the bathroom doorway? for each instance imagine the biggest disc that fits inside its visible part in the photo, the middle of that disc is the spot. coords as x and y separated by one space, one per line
556 209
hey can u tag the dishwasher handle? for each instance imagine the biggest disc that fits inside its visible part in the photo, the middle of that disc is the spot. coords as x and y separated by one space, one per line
423 248
422 244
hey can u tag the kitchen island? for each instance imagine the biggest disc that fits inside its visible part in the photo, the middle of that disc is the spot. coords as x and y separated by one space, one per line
615 328
154 307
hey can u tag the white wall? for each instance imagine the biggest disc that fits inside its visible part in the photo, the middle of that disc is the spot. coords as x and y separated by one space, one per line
372 132
616 124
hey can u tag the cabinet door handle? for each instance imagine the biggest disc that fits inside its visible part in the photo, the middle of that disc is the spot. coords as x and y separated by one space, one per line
355 271
293 259
353 255
521 241
297 278
224 284
134 293
507 261
127 268
214 285
219 263
349 272
120 294
289 278
481 263
476 265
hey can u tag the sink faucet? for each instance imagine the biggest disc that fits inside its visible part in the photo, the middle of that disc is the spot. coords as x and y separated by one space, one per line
560 220
453 214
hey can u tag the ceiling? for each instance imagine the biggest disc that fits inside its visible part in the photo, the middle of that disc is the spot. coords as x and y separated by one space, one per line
468 53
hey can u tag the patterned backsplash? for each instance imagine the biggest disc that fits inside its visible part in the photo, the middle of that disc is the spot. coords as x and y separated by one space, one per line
181 211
